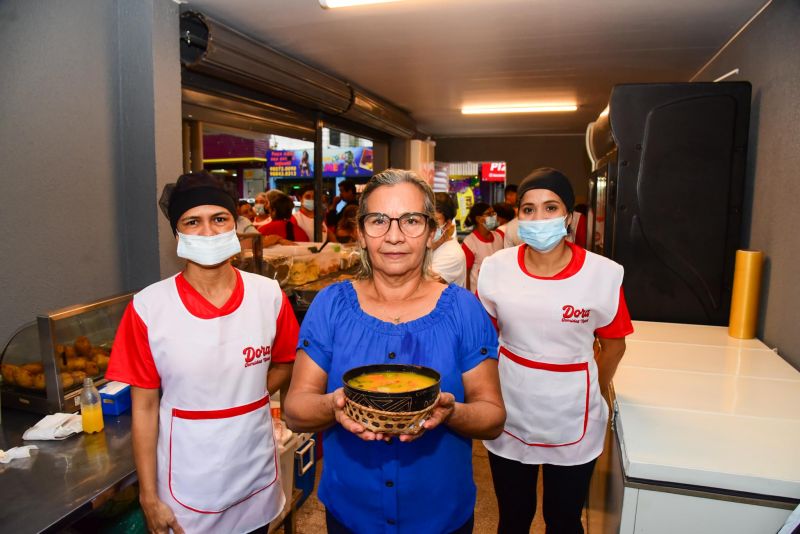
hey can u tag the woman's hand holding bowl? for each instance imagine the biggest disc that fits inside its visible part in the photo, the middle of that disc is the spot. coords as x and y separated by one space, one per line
441 412
348 424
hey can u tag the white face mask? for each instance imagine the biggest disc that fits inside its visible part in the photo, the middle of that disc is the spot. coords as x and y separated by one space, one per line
208 250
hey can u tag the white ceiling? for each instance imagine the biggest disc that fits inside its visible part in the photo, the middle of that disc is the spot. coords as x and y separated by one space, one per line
433 56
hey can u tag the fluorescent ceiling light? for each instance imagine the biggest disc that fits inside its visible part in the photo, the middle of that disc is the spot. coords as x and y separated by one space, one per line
330 4
519 108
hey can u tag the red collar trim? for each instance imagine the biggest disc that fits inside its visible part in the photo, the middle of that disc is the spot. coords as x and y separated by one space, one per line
572 268
480 238
197 305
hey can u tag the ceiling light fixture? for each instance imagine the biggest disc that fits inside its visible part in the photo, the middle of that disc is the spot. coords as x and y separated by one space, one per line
520 108
331 4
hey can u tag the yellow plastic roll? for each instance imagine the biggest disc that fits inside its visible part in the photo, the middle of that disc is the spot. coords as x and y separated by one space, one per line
746 291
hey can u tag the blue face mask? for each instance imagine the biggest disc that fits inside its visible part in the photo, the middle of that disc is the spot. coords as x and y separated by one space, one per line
437 235
543 235
490 222
308 204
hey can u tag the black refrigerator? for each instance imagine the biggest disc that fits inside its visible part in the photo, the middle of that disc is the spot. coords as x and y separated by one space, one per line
666 195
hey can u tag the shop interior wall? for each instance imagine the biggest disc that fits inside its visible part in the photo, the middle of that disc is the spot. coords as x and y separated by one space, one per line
766 55
66 216
522 154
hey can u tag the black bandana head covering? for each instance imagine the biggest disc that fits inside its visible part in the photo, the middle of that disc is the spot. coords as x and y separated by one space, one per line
192 190
548 178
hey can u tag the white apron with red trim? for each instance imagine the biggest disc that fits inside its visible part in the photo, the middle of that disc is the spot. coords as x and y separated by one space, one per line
217 459
548 375
481 250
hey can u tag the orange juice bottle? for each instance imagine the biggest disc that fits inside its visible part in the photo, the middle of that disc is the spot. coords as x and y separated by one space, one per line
91 409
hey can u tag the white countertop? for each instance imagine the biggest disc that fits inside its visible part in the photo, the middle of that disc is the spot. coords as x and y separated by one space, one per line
698 407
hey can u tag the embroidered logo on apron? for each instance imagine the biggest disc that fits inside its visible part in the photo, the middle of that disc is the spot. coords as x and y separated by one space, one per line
256 355
575 315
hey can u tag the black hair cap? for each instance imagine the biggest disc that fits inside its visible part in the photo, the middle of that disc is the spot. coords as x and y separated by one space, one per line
548 178
192 190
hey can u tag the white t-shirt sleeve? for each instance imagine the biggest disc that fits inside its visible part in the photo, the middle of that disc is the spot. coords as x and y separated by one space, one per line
244 226
510 235
449 263
484 291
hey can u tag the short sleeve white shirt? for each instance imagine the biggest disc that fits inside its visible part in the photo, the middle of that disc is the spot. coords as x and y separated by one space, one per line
450 263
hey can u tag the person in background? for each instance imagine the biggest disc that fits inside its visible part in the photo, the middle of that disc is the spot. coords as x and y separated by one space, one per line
201 351
580 225
282 230
246 210
347 227
326 201
482 242
272 194
550 300
261 210
244 221
449 261
511 234
509 228
304 218
347 193
510 193
397 312
505 213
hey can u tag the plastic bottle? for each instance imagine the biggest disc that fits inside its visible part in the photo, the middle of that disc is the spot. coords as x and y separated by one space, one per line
91 409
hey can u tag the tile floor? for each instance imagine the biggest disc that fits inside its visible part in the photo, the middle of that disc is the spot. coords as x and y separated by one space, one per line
311 516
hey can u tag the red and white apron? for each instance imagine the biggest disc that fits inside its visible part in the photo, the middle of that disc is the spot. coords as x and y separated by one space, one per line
476 250
217 459
548 375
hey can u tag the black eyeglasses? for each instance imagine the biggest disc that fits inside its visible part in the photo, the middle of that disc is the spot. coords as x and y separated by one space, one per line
412 224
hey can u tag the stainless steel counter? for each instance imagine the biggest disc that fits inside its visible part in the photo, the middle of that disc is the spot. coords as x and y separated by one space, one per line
63 480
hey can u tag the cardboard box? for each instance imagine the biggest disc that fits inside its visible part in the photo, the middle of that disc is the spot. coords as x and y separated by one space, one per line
115 398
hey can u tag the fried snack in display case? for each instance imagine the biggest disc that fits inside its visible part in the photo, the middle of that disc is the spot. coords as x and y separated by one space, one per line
300 264
45 362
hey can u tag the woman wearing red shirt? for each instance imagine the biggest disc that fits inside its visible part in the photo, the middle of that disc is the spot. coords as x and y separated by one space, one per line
282 227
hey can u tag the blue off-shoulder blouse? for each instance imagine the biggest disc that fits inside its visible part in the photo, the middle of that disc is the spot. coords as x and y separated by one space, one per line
424 486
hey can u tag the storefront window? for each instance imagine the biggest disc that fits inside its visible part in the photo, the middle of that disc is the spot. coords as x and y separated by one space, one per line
345 156
256 161
239 156
290 162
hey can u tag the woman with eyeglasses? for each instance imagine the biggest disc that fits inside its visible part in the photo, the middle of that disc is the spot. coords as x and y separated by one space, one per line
397 312
482 242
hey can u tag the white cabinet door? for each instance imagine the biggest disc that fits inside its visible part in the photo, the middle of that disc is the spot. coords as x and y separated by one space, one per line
668 513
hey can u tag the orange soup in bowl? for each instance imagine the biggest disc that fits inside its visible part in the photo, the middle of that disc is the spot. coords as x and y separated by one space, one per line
391 382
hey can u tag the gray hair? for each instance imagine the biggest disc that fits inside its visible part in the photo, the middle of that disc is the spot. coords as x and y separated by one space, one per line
272 194
395 177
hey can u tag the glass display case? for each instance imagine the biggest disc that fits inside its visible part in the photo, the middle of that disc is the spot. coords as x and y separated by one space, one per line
250 258
306 262
45 361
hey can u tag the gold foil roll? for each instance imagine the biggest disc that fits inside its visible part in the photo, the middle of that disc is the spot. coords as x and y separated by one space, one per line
746 292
